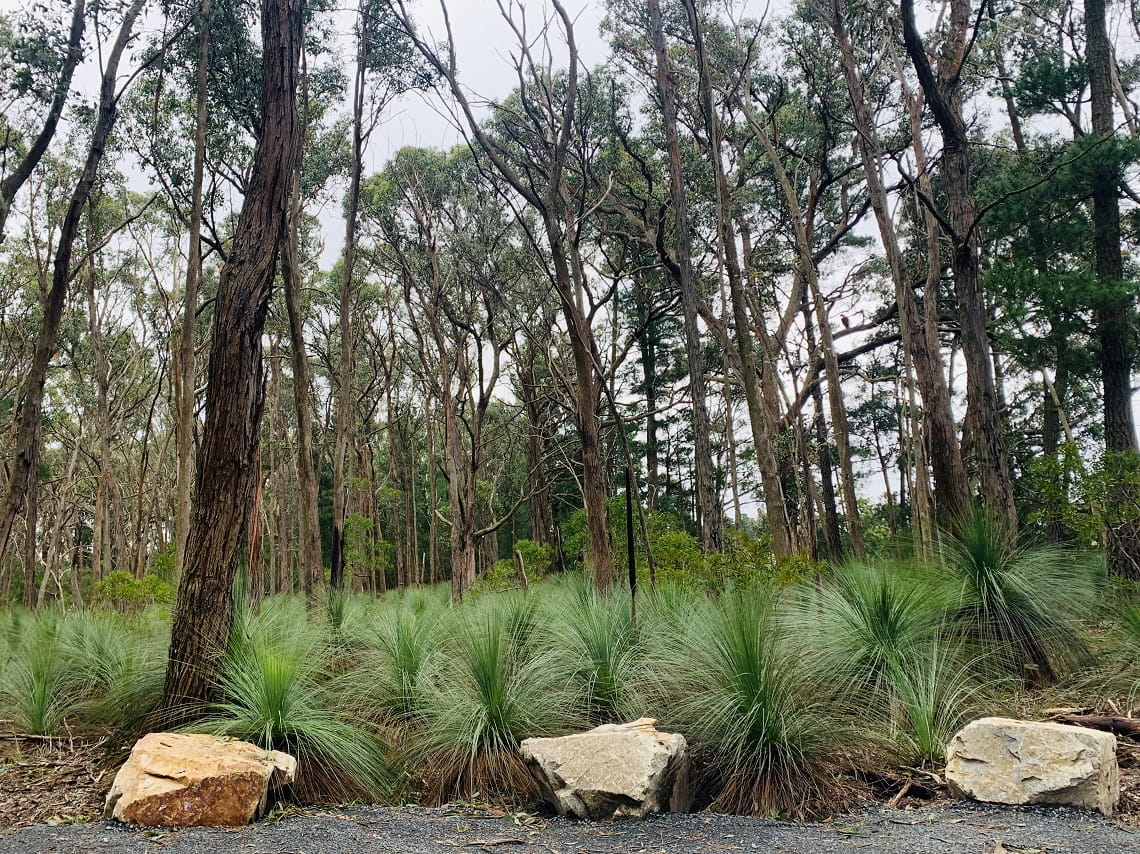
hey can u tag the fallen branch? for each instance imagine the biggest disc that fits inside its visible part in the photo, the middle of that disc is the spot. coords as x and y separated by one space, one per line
1110 723
902 793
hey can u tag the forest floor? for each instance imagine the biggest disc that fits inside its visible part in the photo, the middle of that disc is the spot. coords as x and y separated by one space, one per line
51 796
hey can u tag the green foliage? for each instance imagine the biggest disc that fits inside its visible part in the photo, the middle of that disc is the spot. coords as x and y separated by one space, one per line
481 698
865 621
777 683
386 685
876 631
38 690
129 595
1023 605
599 650
275 694
934 692
121 664
733 685
536 557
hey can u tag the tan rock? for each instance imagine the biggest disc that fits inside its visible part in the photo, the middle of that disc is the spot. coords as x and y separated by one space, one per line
613 770
190 780
1009 761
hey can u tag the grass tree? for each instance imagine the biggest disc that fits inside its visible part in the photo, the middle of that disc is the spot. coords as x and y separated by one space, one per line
769 741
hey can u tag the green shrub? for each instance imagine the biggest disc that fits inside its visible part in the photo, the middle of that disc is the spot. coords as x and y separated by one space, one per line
596 648
119 662
385 686
129 595
275 694
39 692
873 632
481 698
860 624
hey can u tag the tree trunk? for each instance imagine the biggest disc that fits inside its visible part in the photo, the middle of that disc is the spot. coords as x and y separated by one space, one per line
345 374
433 492
944 95
461 496
311 562
1116 309
227 473
832 535
709 510
783 541
186 360
540 519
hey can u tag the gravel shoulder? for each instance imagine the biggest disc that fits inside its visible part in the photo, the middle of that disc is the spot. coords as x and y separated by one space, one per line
944 828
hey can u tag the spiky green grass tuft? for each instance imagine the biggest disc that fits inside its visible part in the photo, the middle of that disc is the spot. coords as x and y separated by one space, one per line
484 696
275 689
769 741
598 649
39 691
1023 605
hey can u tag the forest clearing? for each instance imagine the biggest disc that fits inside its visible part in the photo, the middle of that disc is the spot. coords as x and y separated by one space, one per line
402 386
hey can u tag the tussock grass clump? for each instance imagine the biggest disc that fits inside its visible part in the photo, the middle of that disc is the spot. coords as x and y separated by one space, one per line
486 692
1023 605
933 692
119 662
769 739
39 691
275 693
865 621
875 632
400 643
597 648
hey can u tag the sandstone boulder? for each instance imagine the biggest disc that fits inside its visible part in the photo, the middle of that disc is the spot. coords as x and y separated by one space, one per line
613 770
189 780
1009 761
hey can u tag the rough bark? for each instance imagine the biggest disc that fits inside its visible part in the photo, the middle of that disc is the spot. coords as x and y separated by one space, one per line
228 472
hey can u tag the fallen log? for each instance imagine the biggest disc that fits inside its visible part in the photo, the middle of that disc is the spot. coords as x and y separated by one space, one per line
1111 723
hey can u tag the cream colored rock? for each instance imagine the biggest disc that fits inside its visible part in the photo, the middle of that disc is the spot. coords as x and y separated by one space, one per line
1009 761
189 780
613 770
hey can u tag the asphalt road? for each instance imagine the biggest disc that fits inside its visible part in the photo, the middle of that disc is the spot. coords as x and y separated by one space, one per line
949 828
